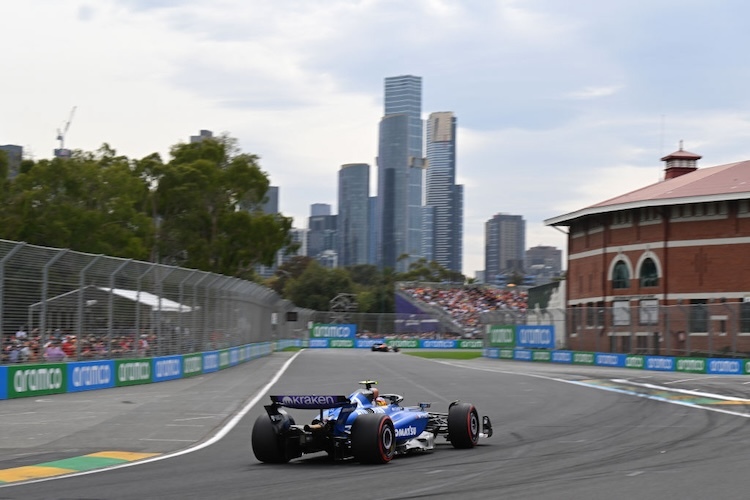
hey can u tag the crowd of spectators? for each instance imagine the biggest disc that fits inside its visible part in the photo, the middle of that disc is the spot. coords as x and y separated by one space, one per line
60 345
466 304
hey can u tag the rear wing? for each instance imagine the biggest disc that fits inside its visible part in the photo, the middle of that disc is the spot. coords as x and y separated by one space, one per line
311 401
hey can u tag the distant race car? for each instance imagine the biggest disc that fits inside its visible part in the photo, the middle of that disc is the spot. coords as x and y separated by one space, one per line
383 347
364 426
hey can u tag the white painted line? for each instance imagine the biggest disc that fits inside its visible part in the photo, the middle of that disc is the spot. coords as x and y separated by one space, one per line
213 439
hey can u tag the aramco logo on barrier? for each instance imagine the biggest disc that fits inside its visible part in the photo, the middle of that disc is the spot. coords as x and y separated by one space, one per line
333 331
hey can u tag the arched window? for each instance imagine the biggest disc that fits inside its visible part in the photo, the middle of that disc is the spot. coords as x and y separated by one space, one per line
649 276
621 276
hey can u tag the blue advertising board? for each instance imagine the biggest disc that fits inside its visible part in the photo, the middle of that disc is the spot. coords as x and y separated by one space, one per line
660 363
167 368
318 343
562 357
3 382
210 362
367 343
537 336
609 359
90 375
522 355
721 366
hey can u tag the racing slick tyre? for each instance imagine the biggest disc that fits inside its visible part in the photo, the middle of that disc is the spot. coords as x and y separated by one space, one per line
373 439
463 425
268 445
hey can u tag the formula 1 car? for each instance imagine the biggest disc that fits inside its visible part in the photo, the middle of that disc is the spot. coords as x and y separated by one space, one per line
364 426
383 347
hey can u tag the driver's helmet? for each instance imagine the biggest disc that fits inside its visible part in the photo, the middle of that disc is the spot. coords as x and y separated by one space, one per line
377 399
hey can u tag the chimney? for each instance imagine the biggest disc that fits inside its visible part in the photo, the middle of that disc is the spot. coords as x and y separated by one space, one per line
679 163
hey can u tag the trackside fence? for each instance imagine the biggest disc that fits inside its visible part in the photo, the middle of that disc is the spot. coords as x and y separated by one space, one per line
59 305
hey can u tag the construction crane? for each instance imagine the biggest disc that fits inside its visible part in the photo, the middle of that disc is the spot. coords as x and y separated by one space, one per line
61 152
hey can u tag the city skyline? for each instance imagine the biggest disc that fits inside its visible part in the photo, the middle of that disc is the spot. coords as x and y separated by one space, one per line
559 105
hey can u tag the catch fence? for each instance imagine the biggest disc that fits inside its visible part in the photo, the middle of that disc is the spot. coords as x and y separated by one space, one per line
99 307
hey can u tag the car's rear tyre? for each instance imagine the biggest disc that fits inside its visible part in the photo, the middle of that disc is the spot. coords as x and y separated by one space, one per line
268 445
374 348
463 425
373 439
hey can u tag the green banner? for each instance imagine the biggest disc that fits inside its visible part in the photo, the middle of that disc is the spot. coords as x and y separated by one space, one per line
541 356
341 343
502 335
192 364
132 371
692 365
506 353
224 359
405 343
583 358
470 344
636 362
36 380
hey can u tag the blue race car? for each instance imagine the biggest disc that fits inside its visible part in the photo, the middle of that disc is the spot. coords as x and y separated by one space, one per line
365 426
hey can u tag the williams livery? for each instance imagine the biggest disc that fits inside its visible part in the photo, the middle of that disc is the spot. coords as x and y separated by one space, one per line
365 426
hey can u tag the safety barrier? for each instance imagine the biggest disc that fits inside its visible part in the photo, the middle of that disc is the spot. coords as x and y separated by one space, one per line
712 366
28 380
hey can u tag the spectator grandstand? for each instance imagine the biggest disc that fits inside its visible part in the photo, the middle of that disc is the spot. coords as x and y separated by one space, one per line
466 303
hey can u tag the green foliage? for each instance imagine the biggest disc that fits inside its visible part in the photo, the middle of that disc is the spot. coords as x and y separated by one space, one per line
199 210
317 286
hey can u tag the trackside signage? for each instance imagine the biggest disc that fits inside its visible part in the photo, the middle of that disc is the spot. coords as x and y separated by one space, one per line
367 343
404 343
192 364
501 335
636 362
333 331
3 382
660 363
491 352
583 358
506 353
725 366
91 375
562 357
132 372
538 336
544 356
691 365
340 343
438 344
470 344
167 368
210 362
318 343
608 359
36 380
522 355
224 359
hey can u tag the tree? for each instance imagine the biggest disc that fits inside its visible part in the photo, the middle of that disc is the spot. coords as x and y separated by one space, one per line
91 202
207 201
317 285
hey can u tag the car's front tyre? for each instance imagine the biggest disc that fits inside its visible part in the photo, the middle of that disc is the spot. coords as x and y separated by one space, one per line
463 425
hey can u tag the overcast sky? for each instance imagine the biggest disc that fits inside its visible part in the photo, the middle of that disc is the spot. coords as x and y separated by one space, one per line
560 103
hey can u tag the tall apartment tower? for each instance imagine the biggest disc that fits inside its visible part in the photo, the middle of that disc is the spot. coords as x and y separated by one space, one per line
400 174
354 214
505 242
444 198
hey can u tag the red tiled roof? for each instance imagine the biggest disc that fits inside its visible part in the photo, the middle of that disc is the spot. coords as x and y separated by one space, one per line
722 182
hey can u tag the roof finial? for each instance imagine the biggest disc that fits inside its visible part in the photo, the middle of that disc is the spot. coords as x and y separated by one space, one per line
680 144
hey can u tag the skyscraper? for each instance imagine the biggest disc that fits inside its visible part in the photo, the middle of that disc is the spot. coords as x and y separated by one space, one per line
354 213
444 199
400 174
505 242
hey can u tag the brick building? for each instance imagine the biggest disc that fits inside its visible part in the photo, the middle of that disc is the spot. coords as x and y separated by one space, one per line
666 268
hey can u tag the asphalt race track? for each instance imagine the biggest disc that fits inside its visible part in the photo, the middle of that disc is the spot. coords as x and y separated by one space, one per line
561 432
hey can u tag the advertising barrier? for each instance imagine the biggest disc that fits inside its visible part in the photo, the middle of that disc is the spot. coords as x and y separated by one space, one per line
57 378
91 375
538 336
333 331
3 382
